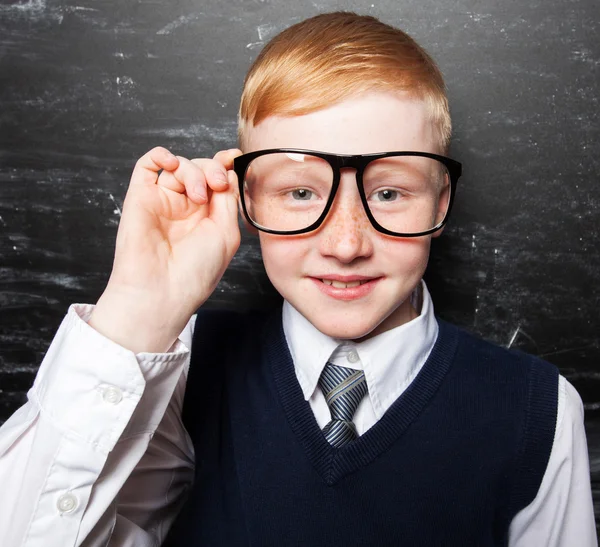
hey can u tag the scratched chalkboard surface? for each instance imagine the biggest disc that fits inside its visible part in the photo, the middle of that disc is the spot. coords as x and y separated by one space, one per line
87 87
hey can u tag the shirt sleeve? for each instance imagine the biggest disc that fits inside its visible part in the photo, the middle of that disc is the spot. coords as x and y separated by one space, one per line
562 513
98 455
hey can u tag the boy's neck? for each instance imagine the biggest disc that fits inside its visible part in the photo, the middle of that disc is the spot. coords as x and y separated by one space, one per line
403 314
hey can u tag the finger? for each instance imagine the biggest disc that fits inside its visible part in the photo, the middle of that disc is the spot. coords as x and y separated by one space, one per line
193 178
233 181
233 184
226 157
214 172
147 167
223 211
167 179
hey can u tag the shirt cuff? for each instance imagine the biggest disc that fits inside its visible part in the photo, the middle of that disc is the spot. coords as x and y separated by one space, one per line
90 387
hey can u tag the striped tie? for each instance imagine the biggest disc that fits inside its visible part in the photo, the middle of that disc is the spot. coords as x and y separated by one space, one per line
343 388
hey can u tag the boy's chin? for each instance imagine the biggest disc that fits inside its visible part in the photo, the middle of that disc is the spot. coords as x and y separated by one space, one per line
363 324
348 330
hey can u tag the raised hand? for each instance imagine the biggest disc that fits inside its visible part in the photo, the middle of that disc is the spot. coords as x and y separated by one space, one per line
177 235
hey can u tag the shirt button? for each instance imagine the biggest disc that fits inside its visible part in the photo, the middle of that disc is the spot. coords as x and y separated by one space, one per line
353 357
112 395
67 503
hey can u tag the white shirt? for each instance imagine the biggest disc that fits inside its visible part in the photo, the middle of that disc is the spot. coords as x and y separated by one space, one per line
99 456
390 360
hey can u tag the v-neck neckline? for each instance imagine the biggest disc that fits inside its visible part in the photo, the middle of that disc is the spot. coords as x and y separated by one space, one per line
333 464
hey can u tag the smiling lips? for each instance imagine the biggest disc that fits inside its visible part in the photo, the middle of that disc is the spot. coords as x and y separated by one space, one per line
346 287
343 285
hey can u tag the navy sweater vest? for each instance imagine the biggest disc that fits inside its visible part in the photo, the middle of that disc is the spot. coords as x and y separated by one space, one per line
451 462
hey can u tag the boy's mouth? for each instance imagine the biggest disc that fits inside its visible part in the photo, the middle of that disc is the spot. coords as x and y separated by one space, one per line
346 287
344 284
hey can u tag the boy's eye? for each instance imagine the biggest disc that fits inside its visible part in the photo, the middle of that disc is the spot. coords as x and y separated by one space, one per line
302 194
387 195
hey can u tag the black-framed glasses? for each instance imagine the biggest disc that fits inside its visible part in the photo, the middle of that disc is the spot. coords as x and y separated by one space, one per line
290 191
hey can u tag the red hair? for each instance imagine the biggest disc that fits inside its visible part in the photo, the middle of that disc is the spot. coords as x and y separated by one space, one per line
326 59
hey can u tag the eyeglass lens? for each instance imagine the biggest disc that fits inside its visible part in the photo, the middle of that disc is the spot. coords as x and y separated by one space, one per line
287 191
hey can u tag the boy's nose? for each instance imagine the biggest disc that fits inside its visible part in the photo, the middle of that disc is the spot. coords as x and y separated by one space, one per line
346 232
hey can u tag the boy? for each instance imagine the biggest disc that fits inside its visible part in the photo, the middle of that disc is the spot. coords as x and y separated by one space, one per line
351 415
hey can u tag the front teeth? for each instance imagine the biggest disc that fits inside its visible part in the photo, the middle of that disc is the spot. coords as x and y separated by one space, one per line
341 284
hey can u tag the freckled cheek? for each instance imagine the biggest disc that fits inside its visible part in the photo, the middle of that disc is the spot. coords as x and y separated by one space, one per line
283 256
405 255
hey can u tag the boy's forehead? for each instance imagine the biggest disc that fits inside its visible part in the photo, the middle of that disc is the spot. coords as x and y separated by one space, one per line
370 123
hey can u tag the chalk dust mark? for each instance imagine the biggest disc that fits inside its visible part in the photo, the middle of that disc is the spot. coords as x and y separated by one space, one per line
35 10
79 8
2 220
31 7
520 332
584 55
582 375
265 31
125 85
514 336
180 21
477 17
117 211
222 133
566 350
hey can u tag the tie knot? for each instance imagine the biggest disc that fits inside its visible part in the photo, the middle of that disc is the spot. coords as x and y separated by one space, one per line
343 389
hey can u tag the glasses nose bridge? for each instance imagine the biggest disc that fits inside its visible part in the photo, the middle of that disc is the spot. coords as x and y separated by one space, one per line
351 162
354 162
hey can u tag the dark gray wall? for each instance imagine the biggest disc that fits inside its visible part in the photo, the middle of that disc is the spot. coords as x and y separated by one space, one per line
88 87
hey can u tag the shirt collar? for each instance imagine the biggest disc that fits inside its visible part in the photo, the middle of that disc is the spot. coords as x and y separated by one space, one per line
390 360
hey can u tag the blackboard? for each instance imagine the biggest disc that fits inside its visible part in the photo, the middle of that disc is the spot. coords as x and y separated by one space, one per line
88 87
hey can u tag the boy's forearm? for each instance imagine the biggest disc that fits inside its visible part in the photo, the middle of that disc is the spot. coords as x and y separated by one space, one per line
137 322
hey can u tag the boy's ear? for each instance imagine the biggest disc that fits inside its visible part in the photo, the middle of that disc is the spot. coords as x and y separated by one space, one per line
249 228
439 232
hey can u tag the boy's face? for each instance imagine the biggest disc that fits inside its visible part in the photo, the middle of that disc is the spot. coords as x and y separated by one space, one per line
346 247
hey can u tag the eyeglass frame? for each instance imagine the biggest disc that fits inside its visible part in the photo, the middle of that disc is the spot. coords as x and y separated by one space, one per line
338 162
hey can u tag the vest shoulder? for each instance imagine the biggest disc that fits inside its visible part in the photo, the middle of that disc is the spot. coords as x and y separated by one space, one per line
483 352
216 313
228 323
517 390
